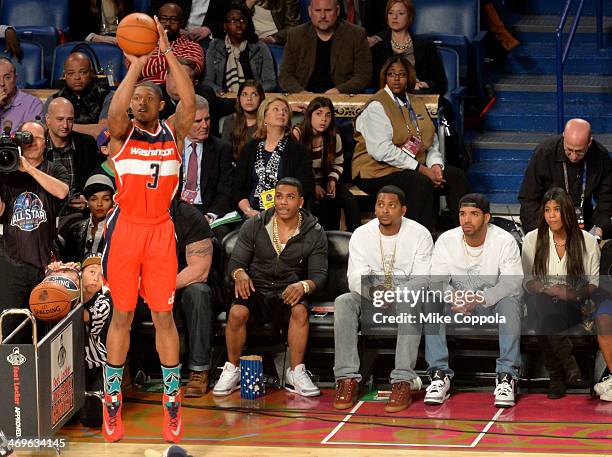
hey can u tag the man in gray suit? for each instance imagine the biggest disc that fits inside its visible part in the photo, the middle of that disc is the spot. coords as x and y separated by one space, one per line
326 55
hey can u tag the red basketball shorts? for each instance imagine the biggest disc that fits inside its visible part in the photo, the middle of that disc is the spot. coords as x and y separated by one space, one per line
140 257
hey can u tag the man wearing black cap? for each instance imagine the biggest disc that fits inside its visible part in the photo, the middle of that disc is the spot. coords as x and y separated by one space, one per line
478 268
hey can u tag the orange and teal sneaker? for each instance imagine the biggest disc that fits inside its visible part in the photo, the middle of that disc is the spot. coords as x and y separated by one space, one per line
173 424
112 425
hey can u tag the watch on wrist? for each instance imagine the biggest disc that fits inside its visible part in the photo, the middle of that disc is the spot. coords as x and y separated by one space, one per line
306 287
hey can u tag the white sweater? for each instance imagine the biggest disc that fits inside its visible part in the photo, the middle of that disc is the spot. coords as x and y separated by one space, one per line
497 271
412 257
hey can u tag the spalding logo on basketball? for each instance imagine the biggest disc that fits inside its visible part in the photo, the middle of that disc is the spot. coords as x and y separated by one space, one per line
71 287
50 301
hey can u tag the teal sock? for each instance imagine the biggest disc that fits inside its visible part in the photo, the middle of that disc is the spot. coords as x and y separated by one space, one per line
112 379
172 379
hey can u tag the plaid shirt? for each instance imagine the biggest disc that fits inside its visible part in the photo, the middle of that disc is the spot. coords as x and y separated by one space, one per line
65 157
155 69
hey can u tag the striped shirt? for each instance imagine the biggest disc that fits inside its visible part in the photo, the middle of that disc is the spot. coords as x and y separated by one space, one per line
147 172
155 68
99 308
337 165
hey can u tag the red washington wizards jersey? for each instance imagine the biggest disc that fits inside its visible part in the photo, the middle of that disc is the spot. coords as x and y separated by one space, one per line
147 170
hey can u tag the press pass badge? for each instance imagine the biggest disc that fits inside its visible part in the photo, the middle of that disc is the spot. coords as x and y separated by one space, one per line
412 146
267 198
188 196
580 217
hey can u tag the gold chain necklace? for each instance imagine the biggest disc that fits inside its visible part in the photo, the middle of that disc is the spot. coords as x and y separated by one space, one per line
278 247
387 268
467 252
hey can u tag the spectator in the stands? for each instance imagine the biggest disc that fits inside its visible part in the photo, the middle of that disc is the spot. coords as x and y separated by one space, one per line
397 144
107 167
78 234
240 55
207 170
495 24
279 259
240 127
272 155
193 294
386 254
561 267
171 16
477 268
319 135
420 52
577 163
11 40
16 106
204 17
89 96
76 152
326 55
273 18
169 92
97 20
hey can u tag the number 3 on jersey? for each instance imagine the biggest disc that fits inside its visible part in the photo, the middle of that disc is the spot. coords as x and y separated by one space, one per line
154 176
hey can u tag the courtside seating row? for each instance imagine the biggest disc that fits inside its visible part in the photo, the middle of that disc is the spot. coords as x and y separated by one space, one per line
480 349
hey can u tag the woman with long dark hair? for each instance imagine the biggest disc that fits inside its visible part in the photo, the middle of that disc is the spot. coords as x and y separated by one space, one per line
317 132
240 127
561 266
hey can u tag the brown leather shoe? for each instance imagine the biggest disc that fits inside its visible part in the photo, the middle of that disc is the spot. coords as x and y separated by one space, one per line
401 397
197 385
347 391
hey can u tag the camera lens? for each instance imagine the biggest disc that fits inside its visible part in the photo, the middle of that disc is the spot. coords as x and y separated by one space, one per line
8 160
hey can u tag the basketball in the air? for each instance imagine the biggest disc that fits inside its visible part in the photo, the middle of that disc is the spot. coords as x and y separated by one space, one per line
137 34
49 301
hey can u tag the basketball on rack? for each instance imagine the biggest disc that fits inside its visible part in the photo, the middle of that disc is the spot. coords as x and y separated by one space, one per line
50 301
137 34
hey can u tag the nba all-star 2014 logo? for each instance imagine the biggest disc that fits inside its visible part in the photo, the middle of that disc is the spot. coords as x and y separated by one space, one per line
28 212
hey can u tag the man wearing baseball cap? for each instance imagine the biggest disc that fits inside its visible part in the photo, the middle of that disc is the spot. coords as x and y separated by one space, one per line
478 267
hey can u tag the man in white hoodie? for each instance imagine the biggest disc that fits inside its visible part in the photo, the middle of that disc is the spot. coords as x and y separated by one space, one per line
478 266
388 254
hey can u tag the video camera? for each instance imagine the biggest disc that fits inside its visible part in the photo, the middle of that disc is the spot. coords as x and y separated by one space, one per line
10 147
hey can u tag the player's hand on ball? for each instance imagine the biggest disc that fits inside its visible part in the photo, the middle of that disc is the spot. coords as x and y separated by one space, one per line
293 293
243 285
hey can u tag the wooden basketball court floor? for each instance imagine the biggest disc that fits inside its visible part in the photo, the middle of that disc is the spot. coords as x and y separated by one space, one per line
285 424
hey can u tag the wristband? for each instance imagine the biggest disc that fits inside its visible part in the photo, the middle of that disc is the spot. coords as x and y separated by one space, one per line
306 287
163 53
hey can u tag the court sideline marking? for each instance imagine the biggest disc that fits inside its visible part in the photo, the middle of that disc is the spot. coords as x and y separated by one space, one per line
359 443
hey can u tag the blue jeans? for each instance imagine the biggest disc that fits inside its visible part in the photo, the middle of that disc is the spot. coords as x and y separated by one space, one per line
509 361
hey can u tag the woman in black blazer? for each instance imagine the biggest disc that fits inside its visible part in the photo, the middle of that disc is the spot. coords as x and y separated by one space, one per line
272 155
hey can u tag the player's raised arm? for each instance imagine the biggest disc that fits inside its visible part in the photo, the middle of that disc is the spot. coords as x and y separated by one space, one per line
185 111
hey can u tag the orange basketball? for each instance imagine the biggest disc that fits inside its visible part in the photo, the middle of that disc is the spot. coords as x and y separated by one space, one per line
49 301
137 34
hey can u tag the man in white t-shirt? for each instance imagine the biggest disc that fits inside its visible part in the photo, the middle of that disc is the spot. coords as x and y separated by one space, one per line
478 266
387 254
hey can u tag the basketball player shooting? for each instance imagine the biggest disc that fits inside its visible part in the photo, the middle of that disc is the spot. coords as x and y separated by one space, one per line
140 251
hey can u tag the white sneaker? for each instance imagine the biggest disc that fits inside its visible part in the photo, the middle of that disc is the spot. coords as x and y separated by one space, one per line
229 380
504 390
606 396
438 391
299 382
604 386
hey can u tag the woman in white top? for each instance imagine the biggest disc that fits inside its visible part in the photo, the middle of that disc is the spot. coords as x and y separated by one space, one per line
561 266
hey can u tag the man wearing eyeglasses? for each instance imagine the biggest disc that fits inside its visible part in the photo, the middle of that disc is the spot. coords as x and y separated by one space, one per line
577 163
171 17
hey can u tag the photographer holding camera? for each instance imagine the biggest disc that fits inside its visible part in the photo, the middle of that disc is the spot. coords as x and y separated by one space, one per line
30 200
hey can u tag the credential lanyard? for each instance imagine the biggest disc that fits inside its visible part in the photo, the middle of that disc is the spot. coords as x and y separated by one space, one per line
411 113
584 179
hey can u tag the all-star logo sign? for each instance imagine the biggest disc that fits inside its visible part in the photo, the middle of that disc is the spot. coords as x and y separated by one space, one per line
28 212
16 360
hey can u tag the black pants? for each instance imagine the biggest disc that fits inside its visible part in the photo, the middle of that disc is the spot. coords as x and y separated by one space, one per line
197 306
17 282
420 193
91 412
328 210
